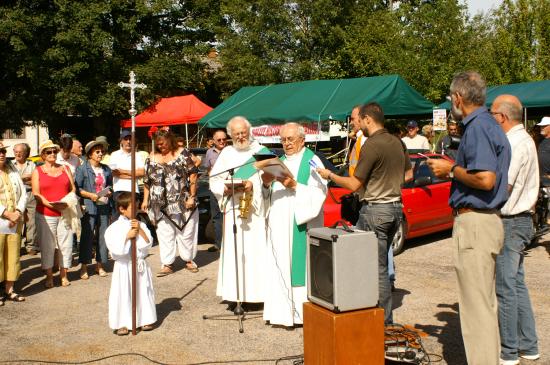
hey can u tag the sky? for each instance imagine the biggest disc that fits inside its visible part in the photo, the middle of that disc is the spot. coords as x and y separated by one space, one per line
476 6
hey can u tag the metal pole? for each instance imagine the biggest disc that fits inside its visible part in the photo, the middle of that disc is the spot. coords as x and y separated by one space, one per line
132 86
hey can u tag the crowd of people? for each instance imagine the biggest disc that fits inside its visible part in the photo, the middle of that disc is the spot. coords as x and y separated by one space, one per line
495 173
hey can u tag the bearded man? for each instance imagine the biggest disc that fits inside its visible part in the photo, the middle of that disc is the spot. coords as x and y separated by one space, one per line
250 232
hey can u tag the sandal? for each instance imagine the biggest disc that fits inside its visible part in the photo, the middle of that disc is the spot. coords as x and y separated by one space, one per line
166 270
14 297
65 282
48 283
122 331
192 267
147 327
101 272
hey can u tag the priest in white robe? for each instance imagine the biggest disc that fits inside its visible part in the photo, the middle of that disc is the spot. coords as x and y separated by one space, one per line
120 296
294 205
251 236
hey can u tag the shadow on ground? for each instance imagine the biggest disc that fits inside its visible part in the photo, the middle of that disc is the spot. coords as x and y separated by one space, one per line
448 334
169 305
425 240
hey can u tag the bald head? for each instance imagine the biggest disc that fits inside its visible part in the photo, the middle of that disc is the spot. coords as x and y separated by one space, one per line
507 110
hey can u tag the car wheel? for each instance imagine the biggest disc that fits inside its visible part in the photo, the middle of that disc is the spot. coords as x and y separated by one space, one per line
398 242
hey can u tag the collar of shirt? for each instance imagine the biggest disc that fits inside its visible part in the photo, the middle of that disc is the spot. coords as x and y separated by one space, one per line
380 131
515 129
474 114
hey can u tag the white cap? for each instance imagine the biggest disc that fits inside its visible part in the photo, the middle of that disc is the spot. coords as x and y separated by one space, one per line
544 122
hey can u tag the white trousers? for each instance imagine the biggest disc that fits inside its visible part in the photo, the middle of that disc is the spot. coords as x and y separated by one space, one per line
54 233
171 237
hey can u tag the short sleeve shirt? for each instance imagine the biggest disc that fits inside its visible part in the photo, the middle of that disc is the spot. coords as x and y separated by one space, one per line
122 160
382 164
483 147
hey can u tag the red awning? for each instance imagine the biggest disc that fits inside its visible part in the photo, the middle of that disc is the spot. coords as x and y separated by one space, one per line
186 109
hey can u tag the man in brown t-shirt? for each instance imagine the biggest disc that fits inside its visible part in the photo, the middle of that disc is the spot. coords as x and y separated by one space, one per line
382 168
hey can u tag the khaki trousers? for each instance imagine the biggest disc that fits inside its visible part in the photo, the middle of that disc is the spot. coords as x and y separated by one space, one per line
10 266
479 238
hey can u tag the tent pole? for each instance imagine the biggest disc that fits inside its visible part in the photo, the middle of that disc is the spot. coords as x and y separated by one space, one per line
525 117
186 137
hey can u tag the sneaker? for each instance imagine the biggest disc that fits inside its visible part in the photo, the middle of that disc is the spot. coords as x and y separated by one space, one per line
509 362
530 357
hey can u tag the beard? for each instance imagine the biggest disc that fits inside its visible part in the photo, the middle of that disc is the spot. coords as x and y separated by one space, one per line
456 113
241 146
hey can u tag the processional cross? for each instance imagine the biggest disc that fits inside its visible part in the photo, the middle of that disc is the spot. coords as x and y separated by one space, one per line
133 86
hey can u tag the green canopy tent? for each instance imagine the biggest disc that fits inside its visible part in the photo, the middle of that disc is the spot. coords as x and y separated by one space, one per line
319 100
535 97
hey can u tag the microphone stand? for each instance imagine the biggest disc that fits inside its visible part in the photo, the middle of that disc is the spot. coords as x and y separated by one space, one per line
238 310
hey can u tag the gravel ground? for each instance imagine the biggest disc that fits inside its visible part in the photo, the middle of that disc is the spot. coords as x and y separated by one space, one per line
70 324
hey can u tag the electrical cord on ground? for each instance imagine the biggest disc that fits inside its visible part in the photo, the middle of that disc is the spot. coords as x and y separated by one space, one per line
405 345
299 359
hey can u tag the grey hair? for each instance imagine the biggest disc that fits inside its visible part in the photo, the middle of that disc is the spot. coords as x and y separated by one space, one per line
470 86
26 147
512 110
239 119
299 127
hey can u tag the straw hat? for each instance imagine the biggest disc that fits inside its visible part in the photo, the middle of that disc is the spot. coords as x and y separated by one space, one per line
99 141
2 145
47 144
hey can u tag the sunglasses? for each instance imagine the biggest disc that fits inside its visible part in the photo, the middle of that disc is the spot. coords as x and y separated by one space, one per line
221 140
50 152
3 151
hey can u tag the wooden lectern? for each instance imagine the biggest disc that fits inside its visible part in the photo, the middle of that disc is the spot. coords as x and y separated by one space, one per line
348 338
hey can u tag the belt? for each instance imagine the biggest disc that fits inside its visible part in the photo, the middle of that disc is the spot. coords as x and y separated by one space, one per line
396 204
458 211
522 214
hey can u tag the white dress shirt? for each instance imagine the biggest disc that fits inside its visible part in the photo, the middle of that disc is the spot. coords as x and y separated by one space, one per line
523 174
122 160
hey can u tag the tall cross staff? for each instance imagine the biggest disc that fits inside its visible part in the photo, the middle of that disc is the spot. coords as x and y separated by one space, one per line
133 86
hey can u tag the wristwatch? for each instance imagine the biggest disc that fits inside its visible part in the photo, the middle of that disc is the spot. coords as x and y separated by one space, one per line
451 173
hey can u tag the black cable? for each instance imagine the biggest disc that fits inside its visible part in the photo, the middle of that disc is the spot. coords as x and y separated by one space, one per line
298 358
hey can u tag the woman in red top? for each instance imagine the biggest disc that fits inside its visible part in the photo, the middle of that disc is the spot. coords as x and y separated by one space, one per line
51 182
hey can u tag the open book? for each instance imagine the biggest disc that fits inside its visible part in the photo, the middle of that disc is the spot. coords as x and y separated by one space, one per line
275 167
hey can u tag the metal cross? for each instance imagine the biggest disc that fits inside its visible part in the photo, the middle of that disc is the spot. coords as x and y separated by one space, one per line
132 86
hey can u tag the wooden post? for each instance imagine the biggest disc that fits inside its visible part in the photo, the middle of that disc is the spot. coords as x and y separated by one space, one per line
132 86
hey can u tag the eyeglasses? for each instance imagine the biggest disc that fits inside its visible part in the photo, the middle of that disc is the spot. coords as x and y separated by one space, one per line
50 152
289 139
497 113
99 151
221 140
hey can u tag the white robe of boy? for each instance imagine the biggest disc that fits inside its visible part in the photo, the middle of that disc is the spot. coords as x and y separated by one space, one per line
251 239
120 296
284 303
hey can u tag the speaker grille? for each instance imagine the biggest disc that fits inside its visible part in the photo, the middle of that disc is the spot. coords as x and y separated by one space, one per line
321 271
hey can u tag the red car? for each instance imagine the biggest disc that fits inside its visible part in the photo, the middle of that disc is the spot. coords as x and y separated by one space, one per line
425 203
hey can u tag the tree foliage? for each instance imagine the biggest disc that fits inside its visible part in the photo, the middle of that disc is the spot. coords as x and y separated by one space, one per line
61 60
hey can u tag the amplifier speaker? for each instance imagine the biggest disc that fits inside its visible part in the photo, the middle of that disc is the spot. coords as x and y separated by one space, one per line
343 268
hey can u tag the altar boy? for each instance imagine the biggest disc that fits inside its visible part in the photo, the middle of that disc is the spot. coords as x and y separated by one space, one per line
118 238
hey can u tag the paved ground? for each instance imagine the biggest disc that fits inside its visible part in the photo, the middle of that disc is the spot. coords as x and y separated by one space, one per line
70 324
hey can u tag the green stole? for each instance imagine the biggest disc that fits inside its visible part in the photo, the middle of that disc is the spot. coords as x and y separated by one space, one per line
298 273
246 171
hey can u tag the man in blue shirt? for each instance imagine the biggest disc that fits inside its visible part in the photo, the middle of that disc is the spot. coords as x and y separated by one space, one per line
478 191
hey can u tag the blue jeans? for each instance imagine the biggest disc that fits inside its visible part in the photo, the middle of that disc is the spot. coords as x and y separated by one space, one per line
217 219
89 222
383 220
515 314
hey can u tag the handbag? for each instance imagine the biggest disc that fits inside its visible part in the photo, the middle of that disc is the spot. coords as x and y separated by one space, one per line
350 206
